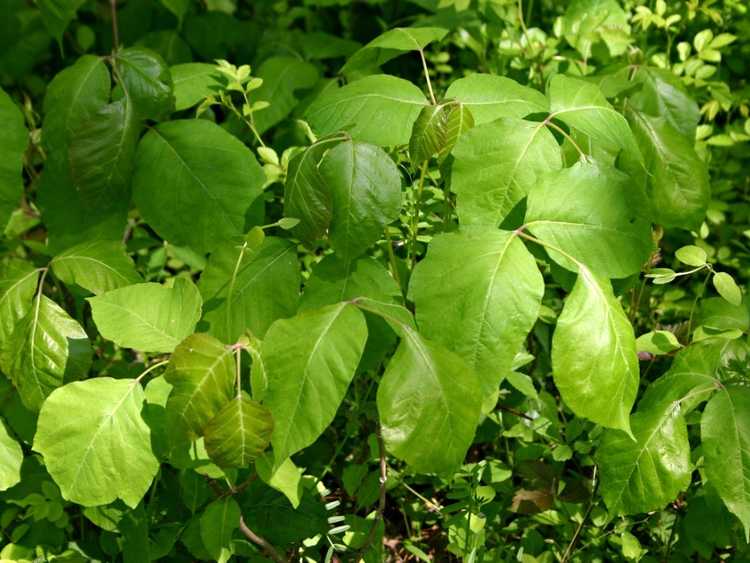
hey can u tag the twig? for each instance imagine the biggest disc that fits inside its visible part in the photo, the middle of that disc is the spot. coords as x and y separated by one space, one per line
260 542
576 535
115 31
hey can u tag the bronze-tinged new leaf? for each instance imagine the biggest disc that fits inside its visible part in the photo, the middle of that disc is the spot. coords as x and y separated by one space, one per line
202 373
437 129
239 432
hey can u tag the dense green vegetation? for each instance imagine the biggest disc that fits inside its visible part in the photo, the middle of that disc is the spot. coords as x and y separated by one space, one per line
404 280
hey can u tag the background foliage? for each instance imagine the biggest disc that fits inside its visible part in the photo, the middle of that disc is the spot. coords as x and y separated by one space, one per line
383 280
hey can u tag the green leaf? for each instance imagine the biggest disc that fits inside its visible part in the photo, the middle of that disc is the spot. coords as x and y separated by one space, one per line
691 255
308 381
239 432
178 7
691 378
146 80
718 314
437 129
283 78
286 478
218 522
18 281
490 97
657 342
193 168
247 288
98 266
73 97
429 402
678 179
147 316
478 293
496 164
725 435
101 153
365 187
581 105
13 143
46 350
103 452
586 22
727 288
391 44
590 212
663 94
307 196
334 280
594 361
11 457
57 15
379 109
202 374
192 82
645 474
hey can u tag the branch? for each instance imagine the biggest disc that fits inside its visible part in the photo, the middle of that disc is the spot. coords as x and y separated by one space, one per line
262 543
115 31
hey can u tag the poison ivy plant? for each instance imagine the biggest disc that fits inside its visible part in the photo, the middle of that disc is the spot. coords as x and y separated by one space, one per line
377 280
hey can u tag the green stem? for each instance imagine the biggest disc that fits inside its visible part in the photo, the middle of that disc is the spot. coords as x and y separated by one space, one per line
415 214
151 368
427 77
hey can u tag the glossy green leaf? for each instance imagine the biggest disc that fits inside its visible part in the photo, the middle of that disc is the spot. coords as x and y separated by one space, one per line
103 452
365 187
725 435
478 294
284 81
429 402
193 168
46 350
678 179
310 360
147 316
202 374
192 82
379 109
11 457
18 281
146 80
239 432
581 105
247 289
663 94
490 97
717 313
334 280
73 97
496 164
98 266
437 129
217 524
13 143
307 196
594 361
691 378
391 44
102 149
590 212
648 473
